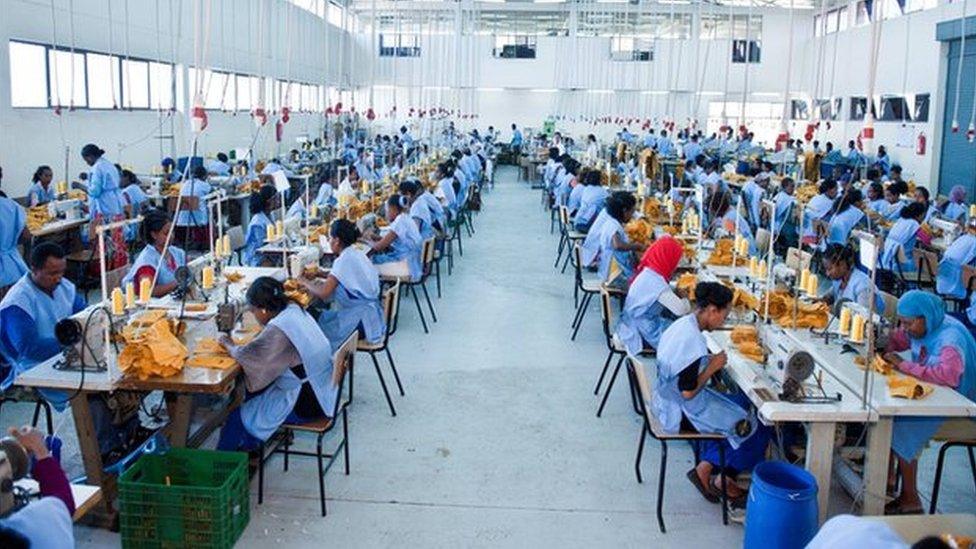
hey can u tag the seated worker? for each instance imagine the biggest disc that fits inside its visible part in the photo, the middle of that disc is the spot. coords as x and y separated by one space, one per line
615 247
29 313
876 199
845 217
575 192
41 191
851 532
593 198
133 196
922 197
353 285
326 194
287 370
428 214
445 185
651 305
402 242
349 184
13 227
961 252
262 203
724 218
819 207
943 352
893 197
156 227
684 402
194 215
903 234
753 193
955 209
566 181
45 522
847 282
217 166
785 223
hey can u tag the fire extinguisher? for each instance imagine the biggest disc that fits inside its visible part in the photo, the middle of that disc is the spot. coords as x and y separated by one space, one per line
920 143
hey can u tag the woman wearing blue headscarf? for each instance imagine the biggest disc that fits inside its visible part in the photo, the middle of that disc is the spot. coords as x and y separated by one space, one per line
943 352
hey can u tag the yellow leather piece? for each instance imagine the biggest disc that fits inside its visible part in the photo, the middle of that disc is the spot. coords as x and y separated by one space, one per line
154 351
722 254
908 387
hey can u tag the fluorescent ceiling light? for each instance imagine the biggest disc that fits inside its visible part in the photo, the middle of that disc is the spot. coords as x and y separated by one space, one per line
543 90
490 89
654 92
599 91
765 94
550 1
709 93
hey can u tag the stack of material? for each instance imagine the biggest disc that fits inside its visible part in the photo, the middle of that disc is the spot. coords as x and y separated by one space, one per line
687 282
722 254
297 293
899 386
745 337
152 351
804 193
639 231
37 217
781 303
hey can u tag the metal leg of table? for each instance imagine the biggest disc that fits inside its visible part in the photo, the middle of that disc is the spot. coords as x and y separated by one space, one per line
820 459
91 458
180 409
876 466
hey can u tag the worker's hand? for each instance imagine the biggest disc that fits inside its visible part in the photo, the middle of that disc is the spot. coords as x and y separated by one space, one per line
893 358
31 439
718 362
226 341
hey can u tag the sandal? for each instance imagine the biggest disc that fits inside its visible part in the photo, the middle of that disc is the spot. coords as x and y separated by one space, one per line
895 508
706 492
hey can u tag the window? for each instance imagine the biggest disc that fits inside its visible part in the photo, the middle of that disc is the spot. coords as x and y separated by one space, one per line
629 48
799 110
859 106
399 45
66 74
861 18
103 81
921 111
218 97
740 49
842 19
135 84
514 47
161 86
334 14
826 109
764 118
893 108
247 92
28 81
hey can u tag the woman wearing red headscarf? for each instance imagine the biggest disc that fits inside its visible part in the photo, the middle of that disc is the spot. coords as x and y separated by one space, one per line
651 304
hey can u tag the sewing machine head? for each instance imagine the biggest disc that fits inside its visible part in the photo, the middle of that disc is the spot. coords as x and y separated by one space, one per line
65 209
788 365
950 229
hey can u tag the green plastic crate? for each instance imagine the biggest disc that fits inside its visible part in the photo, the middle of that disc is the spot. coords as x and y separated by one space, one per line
205 505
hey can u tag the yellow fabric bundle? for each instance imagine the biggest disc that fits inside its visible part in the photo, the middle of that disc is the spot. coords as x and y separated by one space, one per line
742 299
722 254
652 208
77 194
671 229
908 387
689 252
809 315
154 351
172 190
746 341
804 193
879 364
687 282
250 186
209 353
297 293
639 231
37 217
233 276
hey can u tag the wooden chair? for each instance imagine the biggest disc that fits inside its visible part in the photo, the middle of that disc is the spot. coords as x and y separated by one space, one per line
891 306
927 267
588 288
956 432
616 348
567 237
391 304
427 259
653 427
341 363
236 236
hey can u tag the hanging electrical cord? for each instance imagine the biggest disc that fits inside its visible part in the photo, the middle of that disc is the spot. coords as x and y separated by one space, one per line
111 47
784 121
962 51
745 80
867 132
704 71
813 114
728 68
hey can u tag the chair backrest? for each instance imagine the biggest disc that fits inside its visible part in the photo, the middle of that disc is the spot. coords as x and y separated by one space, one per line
341 362
928 262
563 215
762 240
578 263
236 236
427 252
606 312
391 315
639 375
891 306
113 278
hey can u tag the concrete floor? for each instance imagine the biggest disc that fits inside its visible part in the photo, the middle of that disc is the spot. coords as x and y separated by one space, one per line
496 442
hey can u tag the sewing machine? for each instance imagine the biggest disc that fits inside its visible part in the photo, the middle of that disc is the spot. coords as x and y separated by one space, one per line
68 209
950 229
792 368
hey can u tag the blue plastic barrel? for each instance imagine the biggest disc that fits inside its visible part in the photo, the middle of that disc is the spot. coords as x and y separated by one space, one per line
782 508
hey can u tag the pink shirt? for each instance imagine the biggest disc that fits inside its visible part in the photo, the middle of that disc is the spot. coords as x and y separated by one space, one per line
947 369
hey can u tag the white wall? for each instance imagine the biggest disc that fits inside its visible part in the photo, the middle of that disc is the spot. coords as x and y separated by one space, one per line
31 137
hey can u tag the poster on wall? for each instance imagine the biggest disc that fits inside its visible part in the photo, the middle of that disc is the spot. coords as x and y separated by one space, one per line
905 137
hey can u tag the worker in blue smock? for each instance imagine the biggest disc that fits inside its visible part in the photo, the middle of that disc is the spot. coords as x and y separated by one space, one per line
421 198
845 216
753 193
615 246
892 194
593 198
516 143
818 208
41 191
261 205
664 145
961 252
692 150
847 282
13 225
883 161
104 189
903 235
943 352
150 263
651 305
683 401
419 211
445 186
875 198
851 532
287 370
217 166
325 196
725 219
955 209
194 215
784 222
402 242
353 286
